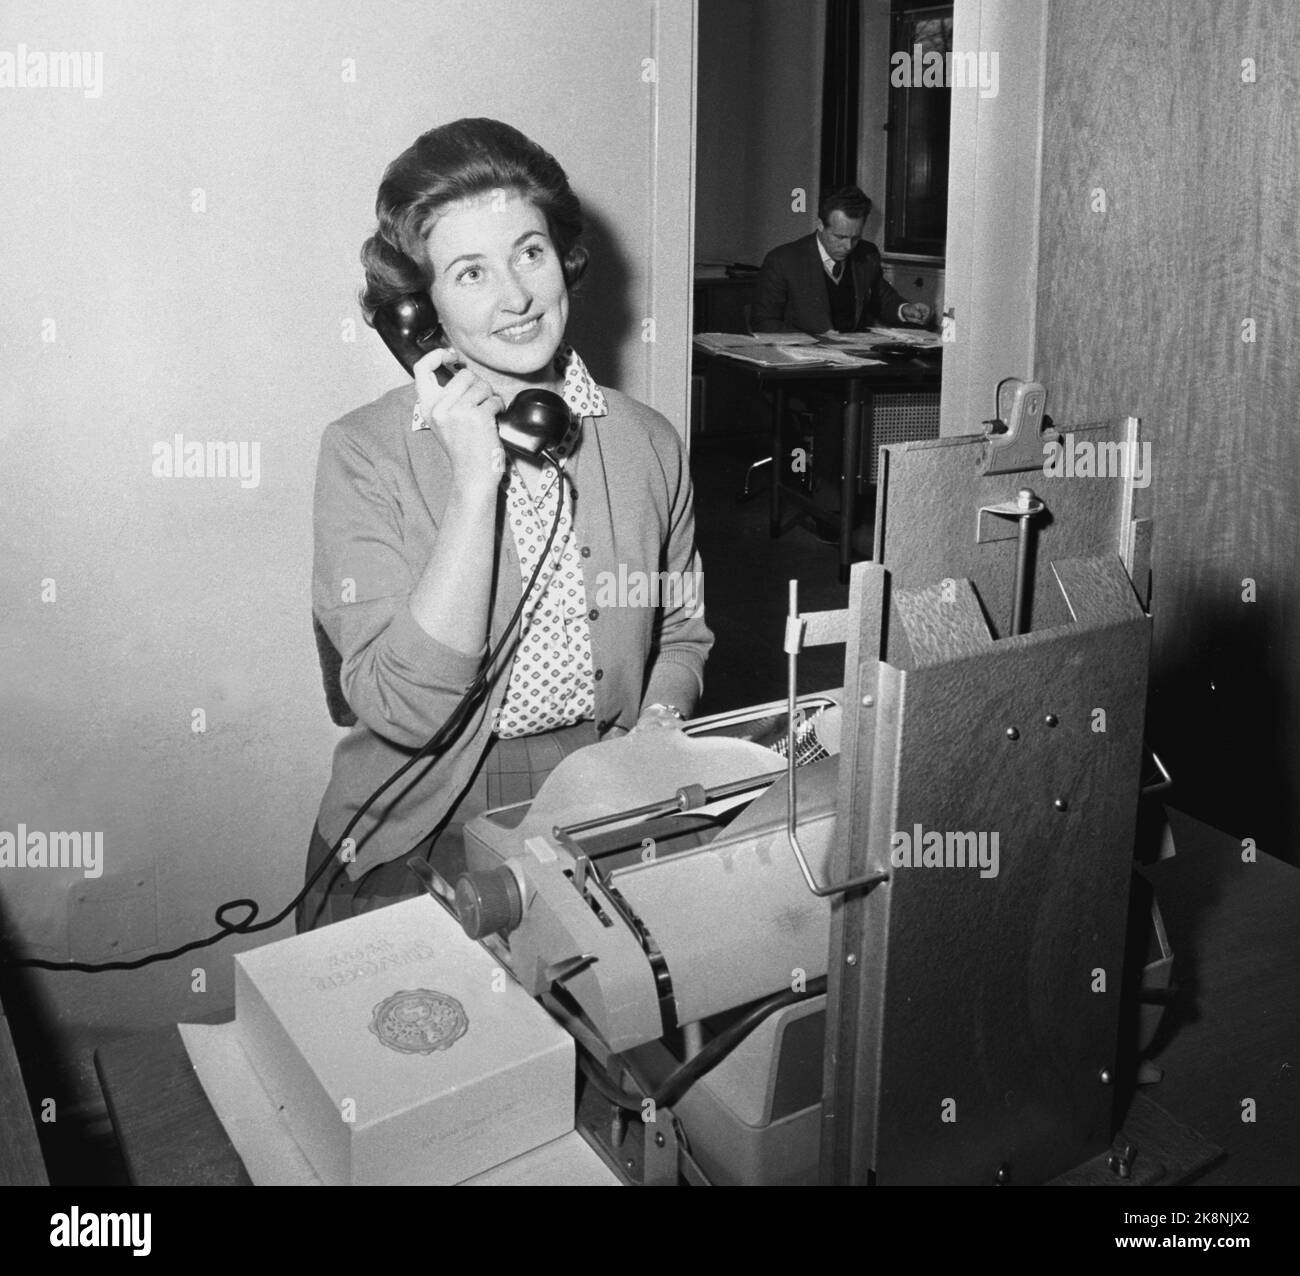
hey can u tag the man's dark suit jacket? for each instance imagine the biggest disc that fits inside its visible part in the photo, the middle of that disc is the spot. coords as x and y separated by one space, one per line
792 290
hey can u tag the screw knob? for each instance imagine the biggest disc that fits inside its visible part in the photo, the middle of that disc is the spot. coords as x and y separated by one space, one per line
489 902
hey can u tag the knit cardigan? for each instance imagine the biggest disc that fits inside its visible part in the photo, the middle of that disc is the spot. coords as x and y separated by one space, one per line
381 489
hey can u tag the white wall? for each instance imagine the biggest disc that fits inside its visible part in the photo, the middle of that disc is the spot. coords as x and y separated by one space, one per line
759 112
991 276
230 324
873 112
759 124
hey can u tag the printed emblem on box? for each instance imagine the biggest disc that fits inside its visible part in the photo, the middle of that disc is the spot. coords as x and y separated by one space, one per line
419 1021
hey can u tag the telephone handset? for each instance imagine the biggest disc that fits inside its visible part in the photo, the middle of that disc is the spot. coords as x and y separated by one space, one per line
534 422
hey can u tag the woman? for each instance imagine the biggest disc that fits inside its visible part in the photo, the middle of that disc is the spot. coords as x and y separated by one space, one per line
426 534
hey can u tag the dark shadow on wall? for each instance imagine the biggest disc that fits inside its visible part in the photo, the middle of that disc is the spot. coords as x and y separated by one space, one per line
1218 715
601 312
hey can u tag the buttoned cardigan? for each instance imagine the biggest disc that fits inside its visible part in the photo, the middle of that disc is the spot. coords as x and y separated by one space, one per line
381 489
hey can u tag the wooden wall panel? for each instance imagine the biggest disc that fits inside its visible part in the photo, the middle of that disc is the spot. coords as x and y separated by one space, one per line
1141 310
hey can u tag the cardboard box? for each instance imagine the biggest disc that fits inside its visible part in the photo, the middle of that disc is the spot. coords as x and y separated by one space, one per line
399 1051
567 1162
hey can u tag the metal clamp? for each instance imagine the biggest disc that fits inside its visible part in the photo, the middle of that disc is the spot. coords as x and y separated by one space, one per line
1013 440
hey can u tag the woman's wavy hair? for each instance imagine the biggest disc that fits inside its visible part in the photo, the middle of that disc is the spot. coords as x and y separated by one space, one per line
457 161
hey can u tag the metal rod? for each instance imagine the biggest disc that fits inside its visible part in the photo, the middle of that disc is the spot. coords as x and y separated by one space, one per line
793 626
1027 506
1165 781
1022 583
688 797
791 680
692 1039
669 806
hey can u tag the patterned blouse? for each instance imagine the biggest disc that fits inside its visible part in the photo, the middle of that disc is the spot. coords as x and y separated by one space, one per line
551 680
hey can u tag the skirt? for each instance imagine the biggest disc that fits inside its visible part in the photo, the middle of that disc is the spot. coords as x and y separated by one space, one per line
511 771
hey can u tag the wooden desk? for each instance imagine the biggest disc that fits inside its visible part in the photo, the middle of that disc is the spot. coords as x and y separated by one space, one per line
1234 1032
858 386
167 1130
21 1163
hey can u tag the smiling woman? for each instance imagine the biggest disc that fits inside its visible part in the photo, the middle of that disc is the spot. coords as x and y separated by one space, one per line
427 534
499 289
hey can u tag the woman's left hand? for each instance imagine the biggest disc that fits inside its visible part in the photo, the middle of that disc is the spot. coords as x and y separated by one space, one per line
658 717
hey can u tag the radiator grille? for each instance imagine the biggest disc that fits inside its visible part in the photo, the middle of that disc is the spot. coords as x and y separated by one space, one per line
900 418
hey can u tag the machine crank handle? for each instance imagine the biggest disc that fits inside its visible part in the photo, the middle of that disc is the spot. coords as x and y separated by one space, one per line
793 641
823 892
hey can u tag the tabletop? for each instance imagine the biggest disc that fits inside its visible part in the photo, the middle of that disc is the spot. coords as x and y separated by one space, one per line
1232 1033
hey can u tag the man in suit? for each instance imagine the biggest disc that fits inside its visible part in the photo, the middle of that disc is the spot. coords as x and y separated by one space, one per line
830 281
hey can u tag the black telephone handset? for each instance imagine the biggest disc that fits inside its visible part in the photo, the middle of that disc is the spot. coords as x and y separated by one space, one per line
534 422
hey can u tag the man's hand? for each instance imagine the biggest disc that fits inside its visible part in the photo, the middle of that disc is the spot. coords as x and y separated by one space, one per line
915 312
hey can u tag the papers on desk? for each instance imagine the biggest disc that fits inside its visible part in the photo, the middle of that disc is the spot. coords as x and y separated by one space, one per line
784 339
723 342
781 350
836 357
918 337
730 341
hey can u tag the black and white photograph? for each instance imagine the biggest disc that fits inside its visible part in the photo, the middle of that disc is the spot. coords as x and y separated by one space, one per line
651 593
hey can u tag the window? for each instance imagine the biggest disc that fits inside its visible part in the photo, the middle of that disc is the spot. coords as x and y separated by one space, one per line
916 184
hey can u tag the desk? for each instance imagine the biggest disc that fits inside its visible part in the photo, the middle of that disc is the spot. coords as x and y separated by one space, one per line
1234 1032
165 1126
860 386
21 1163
